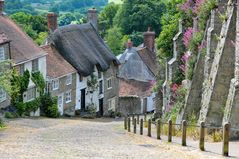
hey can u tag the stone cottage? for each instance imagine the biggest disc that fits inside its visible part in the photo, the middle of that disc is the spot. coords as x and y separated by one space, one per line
137 75
61 80
97 67
24 54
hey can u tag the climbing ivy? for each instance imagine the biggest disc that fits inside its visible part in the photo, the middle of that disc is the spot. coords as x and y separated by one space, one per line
38 79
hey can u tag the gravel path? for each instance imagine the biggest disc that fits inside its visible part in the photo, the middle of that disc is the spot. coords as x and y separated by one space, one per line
78 139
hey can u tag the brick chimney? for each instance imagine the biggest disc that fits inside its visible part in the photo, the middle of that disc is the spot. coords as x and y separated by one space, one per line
52 22
129 44
149 40
1 7
92 17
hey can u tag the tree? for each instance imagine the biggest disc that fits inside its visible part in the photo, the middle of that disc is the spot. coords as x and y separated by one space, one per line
5 76
114 40
106 18
138 15
34 26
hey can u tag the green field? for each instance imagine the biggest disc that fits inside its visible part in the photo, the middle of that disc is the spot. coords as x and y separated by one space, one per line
116 1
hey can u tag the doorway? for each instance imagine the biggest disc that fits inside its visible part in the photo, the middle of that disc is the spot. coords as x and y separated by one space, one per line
101 107
83 99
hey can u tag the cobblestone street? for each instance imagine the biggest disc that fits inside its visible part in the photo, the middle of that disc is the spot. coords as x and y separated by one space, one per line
76 138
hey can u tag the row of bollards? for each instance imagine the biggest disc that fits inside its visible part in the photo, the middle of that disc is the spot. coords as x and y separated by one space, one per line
135 121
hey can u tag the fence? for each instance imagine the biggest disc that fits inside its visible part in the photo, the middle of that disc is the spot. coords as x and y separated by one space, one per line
184 126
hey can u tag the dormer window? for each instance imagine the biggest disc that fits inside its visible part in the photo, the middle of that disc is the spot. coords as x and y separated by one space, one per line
2 54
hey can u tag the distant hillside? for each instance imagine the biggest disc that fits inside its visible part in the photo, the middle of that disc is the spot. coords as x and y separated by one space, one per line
116 1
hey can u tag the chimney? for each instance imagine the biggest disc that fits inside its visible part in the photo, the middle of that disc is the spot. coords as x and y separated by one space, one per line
52 22
149 39
92 17
1 7
129 44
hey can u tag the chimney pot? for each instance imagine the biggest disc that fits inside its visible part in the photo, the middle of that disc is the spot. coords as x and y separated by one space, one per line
52 22
149 39
92 17
1 7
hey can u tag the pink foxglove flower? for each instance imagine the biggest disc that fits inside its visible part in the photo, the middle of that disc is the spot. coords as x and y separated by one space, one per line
187 37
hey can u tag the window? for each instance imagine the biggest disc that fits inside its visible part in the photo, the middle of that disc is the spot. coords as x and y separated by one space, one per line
55 84
35 67
3 95
2 54
21 69
68 97
111 104
68 79
100 87
31 94
109 83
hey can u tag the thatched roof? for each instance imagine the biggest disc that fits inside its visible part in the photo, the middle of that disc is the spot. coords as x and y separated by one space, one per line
83 48
22 46
57 66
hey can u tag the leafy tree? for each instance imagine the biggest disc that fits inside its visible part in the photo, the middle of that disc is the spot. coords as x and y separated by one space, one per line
106 18
5 76
138 15
34 26
114 40
137 38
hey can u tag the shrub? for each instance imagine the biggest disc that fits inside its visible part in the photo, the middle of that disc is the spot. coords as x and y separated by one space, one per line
49 106
21 108
8 115
2 124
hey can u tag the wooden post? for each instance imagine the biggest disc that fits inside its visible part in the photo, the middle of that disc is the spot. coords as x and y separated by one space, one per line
145 119
158 129
170 130
133 119
137 118
149 127
202 136
129 124
135 125
141 126
225 147
184 132
125 123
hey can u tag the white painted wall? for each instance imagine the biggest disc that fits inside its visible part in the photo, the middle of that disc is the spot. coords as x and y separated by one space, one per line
90 97
150 102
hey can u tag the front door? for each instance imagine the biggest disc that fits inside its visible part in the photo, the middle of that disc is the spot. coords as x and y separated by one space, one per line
60 103
83 99
101 107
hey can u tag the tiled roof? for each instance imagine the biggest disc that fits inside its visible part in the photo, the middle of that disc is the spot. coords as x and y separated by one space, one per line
149 59
3 38
134 88
57 66
22 46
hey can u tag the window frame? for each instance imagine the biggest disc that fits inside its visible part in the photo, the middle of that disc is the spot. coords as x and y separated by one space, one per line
109 83
68 97
35 65
32 93
3 95
69 79
55 84
2 52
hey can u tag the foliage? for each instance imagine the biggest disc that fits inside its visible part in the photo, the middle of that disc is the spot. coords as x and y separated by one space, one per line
38 79
34 25
92 83
137 38
49 106
138 15
106 18
13 6
27 107
8 115
2 124
114 40
5 76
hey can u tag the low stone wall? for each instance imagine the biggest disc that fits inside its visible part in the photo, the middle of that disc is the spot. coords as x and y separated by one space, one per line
129 105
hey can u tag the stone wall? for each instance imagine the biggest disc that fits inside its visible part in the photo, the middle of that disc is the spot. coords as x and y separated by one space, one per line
129 105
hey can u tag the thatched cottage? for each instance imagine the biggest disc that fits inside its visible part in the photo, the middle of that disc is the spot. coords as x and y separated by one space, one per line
96 66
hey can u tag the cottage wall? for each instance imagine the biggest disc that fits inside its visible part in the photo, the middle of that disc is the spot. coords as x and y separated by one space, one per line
112 93
68 108
129 105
